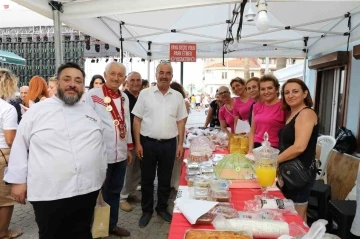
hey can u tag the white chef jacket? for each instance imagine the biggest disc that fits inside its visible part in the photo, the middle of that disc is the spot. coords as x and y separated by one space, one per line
159 113
67 156
115 147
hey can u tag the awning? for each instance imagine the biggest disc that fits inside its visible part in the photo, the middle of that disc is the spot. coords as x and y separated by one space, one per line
11 58
148 27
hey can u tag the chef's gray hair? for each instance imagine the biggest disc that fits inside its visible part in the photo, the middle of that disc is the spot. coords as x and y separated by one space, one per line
107 67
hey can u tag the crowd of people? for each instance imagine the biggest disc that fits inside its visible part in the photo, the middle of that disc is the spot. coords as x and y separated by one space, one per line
64 146
61 146
290 122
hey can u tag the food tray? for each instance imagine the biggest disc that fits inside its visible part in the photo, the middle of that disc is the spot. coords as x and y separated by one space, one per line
206 170
220 184
205 219
209 234
191 172
220 196
226 211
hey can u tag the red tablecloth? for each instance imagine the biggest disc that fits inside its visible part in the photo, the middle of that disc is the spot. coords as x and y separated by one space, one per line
180 224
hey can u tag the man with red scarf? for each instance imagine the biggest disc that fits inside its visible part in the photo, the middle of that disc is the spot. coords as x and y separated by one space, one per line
112 106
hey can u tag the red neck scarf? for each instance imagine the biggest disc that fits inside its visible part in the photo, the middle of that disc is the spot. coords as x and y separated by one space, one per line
119 120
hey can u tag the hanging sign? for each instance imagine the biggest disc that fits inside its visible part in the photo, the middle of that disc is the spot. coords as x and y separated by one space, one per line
182 52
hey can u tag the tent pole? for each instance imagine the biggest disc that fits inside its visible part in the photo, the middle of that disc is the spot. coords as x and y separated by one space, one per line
57 8
304 71
148 70
181 73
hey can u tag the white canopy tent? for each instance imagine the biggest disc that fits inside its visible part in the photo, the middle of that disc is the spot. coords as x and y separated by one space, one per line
204 22
292 71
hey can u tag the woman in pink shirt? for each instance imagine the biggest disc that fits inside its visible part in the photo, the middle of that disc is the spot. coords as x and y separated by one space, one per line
226 115
268 115
243 102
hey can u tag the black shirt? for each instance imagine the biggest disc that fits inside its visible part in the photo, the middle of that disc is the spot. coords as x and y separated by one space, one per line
215 115
287 138
16 103
132 102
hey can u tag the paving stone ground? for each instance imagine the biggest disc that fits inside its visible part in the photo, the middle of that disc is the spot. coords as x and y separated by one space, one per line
24 218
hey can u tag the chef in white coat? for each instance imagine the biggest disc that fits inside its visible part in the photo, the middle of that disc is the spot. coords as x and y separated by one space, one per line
112 106
58 160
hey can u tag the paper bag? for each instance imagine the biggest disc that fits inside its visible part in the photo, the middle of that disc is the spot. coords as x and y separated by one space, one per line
100 226
239 143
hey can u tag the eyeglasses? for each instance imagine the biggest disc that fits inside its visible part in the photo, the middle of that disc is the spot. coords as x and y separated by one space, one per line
223 93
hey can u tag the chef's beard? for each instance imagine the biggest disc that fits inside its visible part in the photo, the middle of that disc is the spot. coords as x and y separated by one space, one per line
69 100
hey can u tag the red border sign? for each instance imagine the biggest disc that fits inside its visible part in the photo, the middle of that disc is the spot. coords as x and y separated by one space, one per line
182 52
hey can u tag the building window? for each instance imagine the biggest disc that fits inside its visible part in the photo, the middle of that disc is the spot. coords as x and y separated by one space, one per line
330 98
224 75
252 74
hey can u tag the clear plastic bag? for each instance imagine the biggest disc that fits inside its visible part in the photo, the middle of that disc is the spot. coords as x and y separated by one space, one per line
258 228
261 215
284 206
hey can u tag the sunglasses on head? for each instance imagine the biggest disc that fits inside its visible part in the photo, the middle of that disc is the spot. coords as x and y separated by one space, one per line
223 93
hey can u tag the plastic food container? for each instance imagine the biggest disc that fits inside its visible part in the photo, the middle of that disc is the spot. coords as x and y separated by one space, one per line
225 211
206 164
205 219
210 176
220 185
207 170
221 196
200 191
190 180
210 234
201 182
192 172
193 165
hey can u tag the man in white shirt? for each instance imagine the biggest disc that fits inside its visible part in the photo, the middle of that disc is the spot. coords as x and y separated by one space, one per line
160 115
112 106
58 160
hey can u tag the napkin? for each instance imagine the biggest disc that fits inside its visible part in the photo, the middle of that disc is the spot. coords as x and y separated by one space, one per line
193 209
183 194
242 127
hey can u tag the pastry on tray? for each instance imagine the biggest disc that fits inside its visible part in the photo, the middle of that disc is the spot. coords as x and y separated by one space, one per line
208 234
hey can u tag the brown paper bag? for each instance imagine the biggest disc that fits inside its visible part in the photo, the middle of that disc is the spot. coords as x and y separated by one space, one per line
100 226
239 143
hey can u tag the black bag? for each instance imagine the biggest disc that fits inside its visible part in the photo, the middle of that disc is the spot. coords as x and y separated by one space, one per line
345 141
294 174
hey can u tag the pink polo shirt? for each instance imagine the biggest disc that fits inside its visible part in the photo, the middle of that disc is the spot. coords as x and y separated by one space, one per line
228 116
268 118
242 109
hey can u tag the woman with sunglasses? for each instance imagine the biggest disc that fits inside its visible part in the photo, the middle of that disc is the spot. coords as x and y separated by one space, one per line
226 115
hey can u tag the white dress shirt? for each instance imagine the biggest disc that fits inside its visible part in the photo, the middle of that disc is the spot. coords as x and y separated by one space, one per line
159 113
115 147
8 121
67 156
